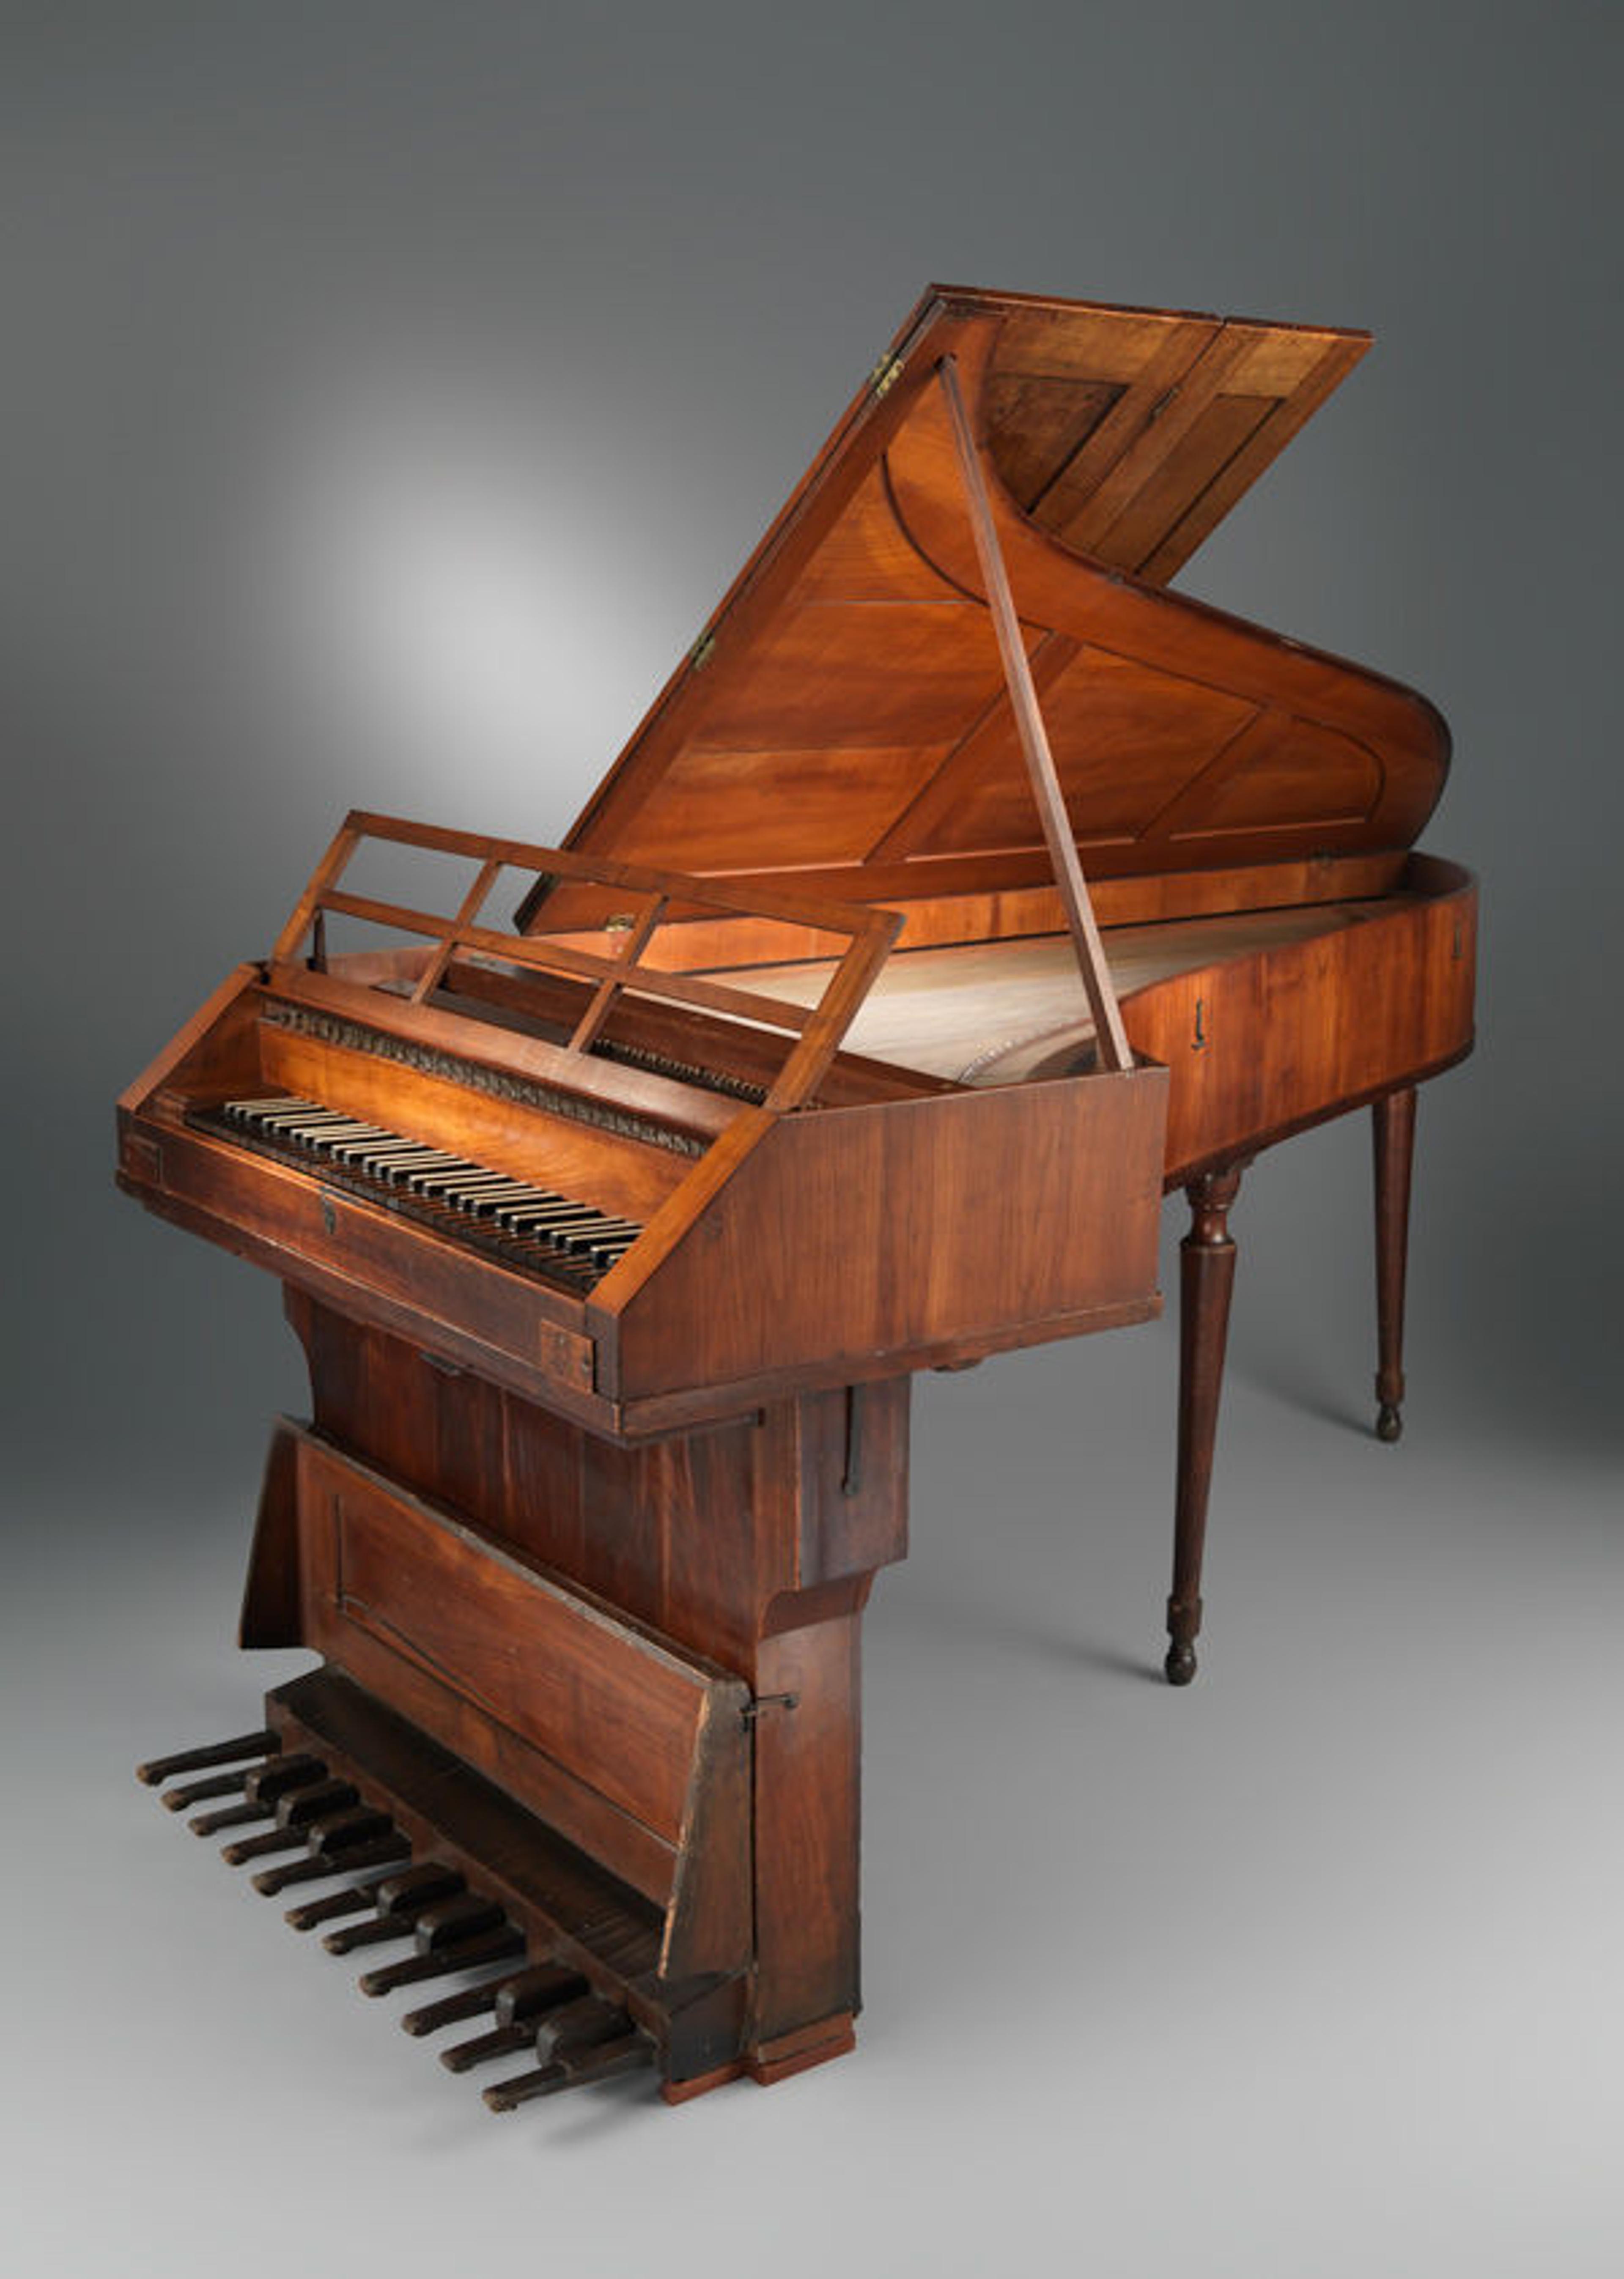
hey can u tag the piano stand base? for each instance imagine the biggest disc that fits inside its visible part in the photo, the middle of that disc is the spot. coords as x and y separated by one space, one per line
776 2061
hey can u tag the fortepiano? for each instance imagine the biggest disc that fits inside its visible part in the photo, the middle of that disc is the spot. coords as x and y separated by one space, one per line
964 890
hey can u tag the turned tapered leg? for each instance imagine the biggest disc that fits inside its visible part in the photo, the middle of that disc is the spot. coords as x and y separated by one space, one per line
1206 1275
1393 1130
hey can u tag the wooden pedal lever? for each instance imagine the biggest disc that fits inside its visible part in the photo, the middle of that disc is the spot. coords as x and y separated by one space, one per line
263 1790
355 1899
400 1904
586 2041
451 2009
294 1813
519 2005
467 1955
449 1936
337 1832
333 1844
215 1752
199 1792
377 1852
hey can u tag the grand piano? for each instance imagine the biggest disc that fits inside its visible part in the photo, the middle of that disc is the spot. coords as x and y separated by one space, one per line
964 890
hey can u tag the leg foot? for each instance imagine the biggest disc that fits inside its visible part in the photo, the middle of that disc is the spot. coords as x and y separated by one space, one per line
1389 1424
1180 1664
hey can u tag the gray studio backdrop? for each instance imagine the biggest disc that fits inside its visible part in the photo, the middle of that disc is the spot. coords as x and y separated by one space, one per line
389 392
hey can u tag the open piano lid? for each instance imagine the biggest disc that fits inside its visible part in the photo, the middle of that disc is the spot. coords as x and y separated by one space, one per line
845 716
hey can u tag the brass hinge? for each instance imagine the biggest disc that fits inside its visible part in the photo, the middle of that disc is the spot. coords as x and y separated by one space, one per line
886 374
701 652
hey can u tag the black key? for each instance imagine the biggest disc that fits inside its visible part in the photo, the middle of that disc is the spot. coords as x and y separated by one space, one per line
299 1122
457 1192
332 1125
398 1168
610 1231
353 1144
547 1218
493 1205
430 1181
580 1241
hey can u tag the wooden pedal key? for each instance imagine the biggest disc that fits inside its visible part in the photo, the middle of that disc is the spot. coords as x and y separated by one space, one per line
400 1901
294 1814
519 2005
452 1935
585 2041
199 1792
332 1907
263 1789
372 1852
156 1769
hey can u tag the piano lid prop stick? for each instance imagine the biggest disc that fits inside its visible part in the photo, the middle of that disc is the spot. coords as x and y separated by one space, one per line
1112 1043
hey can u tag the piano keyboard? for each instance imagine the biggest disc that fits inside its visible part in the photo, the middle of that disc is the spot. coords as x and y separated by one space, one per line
531 1227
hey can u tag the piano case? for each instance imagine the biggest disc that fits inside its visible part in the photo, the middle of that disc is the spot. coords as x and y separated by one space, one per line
617 1189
